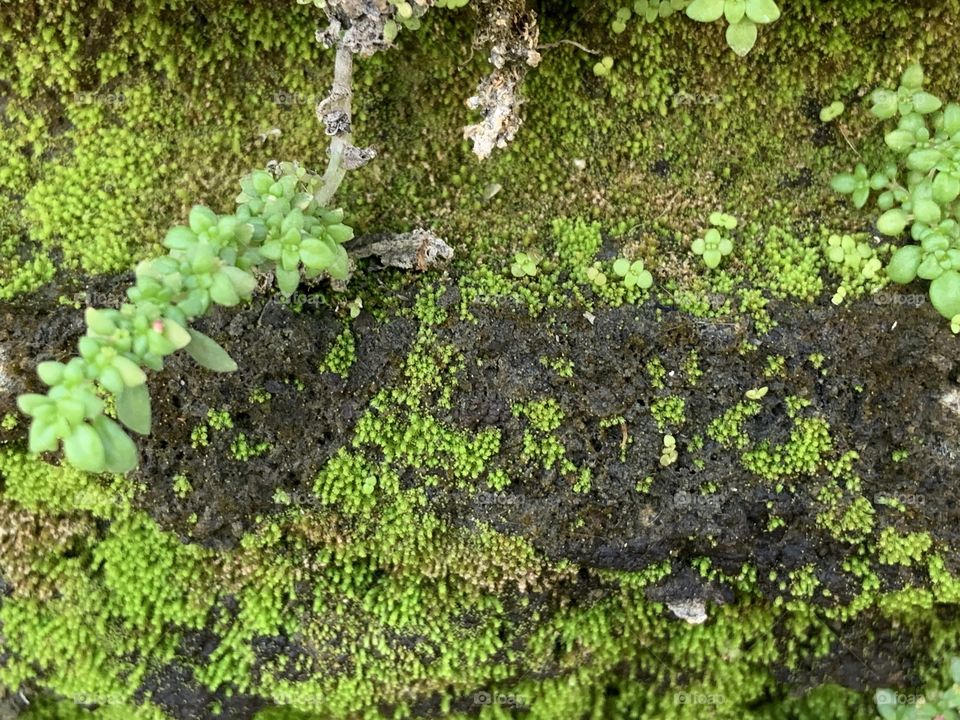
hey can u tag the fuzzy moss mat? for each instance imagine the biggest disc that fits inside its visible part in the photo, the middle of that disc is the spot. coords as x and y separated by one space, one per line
463 502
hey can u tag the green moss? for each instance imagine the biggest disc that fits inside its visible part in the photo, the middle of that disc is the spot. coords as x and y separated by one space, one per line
728 428
668 412
902 549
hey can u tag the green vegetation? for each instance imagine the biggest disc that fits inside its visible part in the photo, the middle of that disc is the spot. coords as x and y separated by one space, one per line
209 262
405 572
918 188
714 246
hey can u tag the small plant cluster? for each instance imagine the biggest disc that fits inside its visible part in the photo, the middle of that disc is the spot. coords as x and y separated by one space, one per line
715 244
858 264
742 16
278 226
918 189
932 704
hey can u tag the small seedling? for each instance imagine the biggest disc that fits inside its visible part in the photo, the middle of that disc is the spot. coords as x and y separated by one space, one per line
832 111
524 265
668 455
633 273
596 275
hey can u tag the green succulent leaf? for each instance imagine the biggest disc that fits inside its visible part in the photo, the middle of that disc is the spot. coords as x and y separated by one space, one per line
705 10
222 291
133 409
844 183
912 77
202 219
926 211
43 437
130 373
50 372
99 322
339 269
734 10
762 11
892 222
287 280
925 103
930 268
30 403
120 452
946 188
951 119
712 258
175 333
84 449
900 140
884 104
340 233
945 293
179 238
621 267
860 197
643 280
902 267
316 254
208 353
742 36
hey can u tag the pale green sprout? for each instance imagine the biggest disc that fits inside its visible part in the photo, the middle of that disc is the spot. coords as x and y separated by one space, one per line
668 454
633 273
742 17
832 111
596 275
524 265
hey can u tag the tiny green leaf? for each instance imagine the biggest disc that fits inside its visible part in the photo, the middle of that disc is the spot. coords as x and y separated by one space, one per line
705 10
902 267
208 353
892 222
742 36
120 452
133 409
763 11
83 449
945 294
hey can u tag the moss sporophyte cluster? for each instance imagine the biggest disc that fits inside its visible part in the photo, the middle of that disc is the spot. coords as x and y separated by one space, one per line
474 544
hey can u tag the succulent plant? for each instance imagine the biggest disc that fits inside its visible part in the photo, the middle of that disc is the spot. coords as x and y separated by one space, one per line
918 189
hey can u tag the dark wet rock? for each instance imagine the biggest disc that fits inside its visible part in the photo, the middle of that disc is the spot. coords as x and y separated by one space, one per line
888 382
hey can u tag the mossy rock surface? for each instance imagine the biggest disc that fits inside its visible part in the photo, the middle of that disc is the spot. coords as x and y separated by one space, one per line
461 503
